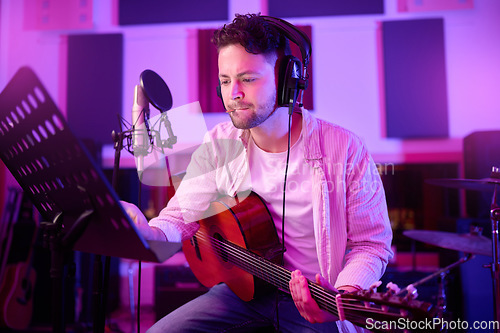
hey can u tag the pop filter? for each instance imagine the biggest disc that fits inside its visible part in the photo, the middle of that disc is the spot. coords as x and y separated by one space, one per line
156 90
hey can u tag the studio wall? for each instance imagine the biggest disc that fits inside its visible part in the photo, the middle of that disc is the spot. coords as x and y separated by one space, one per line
349 87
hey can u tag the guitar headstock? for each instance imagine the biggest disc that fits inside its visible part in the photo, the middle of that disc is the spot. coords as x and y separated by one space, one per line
387 312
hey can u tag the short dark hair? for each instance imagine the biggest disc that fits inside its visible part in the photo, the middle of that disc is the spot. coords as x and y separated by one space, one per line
255 34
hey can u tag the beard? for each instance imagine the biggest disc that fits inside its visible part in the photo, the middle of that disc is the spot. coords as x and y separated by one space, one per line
253 115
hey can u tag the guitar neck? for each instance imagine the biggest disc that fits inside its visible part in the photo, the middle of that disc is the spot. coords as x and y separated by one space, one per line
353 307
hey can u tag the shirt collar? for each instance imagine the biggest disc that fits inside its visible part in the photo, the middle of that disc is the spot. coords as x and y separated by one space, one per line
310 133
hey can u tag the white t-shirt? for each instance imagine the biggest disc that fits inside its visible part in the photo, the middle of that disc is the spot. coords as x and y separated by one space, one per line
268 173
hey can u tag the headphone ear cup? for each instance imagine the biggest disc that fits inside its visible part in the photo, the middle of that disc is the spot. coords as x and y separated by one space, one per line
288 80
219 93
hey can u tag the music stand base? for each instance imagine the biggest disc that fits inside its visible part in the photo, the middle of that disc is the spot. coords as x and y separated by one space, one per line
60 244
52 240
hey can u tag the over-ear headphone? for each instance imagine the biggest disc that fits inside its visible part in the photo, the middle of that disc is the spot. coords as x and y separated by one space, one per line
292 74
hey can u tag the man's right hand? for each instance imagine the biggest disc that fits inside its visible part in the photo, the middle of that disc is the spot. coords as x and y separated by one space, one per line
140 221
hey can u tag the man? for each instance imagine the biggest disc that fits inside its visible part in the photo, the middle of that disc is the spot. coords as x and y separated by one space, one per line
336 227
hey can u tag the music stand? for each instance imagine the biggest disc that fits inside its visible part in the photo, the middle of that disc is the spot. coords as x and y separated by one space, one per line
71 193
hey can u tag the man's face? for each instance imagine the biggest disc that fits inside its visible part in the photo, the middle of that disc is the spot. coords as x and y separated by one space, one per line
247 85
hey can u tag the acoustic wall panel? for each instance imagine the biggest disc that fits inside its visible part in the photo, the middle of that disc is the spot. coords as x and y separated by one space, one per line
433 5
415 78
481 154
94 98
58 14
299 8
161 11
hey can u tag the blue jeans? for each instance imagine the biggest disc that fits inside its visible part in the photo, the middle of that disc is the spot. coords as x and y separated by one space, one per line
220 310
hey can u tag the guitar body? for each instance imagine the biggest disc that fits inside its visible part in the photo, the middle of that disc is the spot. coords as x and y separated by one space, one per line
247 224
17 308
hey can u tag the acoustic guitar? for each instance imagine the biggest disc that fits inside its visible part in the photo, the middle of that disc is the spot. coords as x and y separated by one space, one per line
238 245
18 280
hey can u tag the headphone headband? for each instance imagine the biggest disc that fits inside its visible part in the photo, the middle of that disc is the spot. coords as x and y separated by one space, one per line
292 79
293 34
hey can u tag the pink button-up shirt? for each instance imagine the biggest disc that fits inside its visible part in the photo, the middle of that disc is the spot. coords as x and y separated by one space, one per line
351 225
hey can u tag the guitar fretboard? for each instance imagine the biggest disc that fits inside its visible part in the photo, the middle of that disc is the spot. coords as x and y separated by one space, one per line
271 272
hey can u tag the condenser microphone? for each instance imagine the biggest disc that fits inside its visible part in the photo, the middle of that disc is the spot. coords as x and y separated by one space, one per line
156 90
157 93
140 133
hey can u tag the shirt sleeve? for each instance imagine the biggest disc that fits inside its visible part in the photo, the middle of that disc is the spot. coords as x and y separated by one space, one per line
214 170
178 220
369 233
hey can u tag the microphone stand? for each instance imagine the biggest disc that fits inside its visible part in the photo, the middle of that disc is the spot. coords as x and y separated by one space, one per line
118 146
101 276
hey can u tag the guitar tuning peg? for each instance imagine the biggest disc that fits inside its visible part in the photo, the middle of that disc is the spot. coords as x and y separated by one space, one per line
412 292
374 286
392 288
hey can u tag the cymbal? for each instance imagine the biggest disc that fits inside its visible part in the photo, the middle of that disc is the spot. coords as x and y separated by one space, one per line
468 243
484 184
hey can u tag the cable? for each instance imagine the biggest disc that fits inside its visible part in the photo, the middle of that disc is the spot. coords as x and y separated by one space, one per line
284 185
139 297
283 249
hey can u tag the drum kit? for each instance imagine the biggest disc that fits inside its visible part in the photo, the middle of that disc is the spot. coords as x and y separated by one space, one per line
472 243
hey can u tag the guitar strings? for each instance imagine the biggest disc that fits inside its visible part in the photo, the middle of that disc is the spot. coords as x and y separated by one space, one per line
241 256
283 275
328 304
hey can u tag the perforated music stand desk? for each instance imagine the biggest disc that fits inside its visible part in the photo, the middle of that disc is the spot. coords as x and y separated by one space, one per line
81 209
60 177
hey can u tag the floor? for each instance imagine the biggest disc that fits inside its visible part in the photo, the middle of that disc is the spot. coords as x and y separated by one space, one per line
123 321
120 321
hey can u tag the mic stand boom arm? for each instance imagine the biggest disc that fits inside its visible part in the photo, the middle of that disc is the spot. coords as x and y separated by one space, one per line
171 140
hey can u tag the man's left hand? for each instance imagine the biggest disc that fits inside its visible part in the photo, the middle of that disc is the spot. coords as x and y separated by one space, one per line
307 306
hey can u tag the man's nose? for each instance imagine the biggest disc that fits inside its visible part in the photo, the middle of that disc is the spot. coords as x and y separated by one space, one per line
236 91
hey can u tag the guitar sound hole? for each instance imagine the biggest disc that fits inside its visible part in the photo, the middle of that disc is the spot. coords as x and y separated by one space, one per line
221 247
194 243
